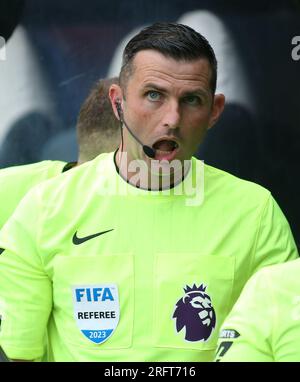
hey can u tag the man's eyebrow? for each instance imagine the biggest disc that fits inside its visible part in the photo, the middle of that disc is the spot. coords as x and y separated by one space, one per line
200 92
155 87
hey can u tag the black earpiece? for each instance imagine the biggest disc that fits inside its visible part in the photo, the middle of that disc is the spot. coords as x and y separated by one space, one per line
119 109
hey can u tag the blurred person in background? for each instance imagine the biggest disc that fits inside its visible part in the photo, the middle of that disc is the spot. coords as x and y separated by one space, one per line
97 132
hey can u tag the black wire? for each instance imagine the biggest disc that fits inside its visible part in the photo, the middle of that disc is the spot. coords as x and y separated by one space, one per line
122 142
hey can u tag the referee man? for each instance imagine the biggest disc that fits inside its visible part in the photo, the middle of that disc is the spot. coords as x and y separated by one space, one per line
140 254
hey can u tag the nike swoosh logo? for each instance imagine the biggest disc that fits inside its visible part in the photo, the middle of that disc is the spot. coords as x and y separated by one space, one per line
1 250
79 240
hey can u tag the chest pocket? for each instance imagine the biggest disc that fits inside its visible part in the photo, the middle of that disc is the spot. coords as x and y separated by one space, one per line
192 298
73 274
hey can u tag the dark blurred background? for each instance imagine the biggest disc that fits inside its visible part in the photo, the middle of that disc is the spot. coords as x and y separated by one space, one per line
57 49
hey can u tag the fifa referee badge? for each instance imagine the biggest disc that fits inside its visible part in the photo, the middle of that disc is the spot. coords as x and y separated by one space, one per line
96 310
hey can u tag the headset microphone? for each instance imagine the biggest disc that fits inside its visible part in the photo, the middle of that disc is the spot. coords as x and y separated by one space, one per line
149 151
119 110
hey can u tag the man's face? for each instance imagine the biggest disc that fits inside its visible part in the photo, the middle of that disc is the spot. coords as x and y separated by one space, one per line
169 105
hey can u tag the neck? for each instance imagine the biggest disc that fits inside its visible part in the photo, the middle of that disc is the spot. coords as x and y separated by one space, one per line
152 174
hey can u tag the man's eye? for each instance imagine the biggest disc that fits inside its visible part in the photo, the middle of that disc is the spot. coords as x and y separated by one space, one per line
153 95
192 100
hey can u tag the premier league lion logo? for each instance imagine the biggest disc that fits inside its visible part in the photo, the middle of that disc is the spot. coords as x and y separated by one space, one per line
194 311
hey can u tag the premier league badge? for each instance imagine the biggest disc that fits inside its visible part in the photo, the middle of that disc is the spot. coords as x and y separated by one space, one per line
97 310
195 312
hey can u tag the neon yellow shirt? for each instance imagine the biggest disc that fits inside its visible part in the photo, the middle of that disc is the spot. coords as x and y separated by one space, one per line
264 323
132 275
16 181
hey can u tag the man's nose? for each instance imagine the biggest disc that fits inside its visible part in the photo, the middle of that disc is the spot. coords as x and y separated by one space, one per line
171 116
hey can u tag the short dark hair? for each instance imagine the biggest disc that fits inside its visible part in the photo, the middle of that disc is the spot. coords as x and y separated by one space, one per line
173 40
96 123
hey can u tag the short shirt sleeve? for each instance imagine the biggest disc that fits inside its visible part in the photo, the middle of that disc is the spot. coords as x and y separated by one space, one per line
246 334
25 289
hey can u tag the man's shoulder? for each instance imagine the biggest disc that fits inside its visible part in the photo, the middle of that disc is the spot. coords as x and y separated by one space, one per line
78 179
16 181
32 168
282 272
231 186
26 176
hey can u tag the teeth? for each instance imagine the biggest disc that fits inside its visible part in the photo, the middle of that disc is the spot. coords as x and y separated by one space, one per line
163 152
167 140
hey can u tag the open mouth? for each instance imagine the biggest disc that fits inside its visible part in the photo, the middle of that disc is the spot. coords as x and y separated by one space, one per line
165 146
166 149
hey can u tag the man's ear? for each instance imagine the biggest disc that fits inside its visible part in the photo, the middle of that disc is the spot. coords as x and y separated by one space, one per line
217 109
116 96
